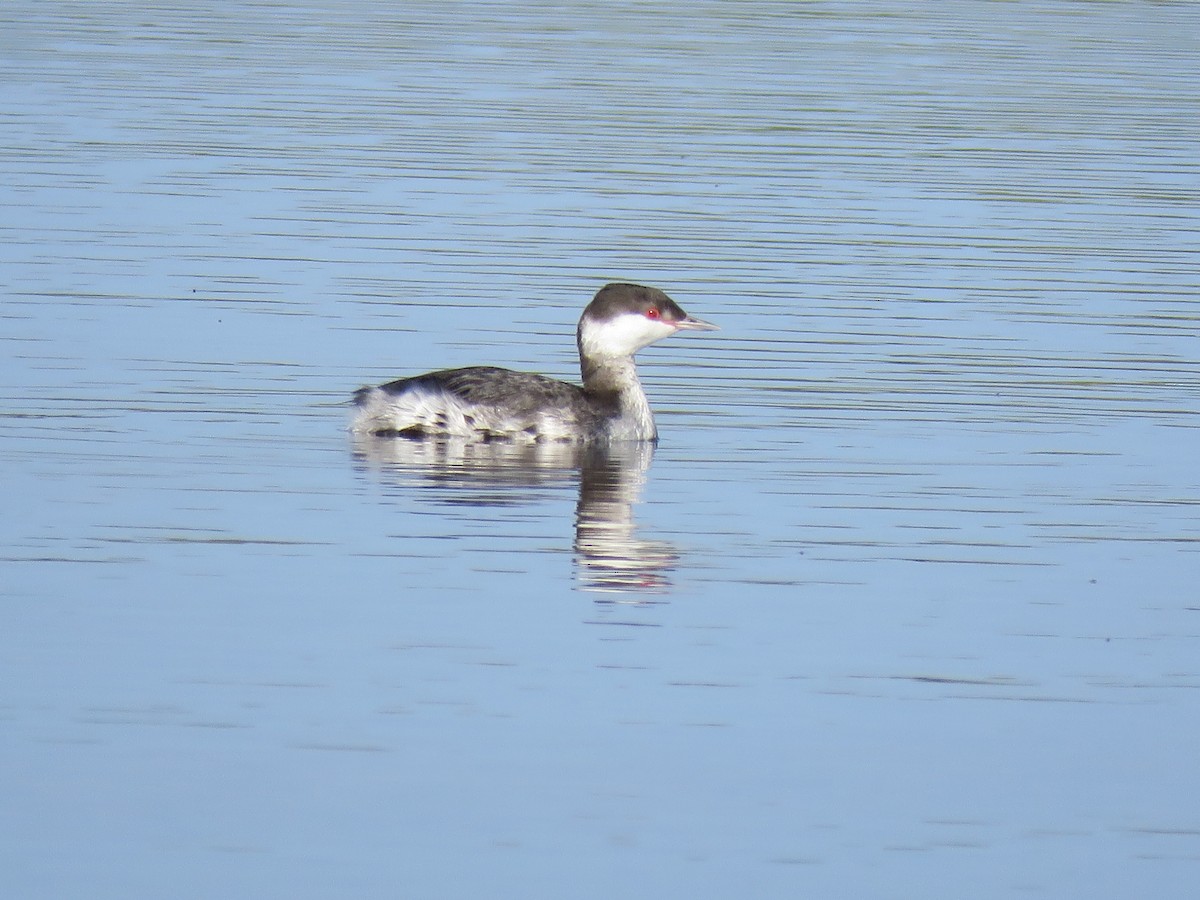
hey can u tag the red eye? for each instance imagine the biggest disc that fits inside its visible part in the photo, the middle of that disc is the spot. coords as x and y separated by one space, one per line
652 313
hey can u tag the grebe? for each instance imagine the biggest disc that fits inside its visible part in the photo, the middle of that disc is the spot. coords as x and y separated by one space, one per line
484 403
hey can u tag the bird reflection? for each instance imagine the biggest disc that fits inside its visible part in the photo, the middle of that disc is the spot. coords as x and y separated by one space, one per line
610 557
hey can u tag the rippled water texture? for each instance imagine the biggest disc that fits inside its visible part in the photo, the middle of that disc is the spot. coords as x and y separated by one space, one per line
903 604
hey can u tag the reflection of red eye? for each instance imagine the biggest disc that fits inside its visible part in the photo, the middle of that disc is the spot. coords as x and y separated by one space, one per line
652 313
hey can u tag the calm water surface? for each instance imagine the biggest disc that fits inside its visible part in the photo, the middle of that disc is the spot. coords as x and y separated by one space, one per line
903 605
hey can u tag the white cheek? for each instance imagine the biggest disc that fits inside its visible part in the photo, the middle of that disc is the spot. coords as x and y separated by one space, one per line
625 335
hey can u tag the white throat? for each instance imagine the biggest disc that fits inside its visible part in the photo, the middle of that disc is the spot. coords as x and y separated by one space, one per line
621 336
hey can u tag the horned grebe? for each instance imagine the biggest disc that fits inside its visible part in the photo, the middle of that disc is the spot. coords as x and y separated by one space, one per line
484 403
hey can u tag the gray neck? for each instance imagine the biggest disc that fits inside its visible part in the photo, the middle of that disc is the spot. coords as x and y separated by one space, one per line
616 380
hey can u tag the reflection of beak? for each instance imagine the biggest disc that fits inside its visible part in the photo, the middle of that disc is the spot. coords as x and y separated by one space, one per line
694 324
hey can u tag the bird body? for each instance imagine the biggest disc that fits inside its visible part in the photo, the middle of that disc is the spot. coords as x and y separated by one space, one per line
486 403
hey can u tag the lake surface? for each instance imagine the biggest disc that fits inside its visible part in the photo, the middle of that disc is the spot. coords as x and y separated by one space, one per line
904 603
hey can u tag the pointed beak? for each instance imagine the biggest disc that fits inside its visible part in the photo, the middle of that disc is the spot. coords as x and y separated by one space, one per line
694 324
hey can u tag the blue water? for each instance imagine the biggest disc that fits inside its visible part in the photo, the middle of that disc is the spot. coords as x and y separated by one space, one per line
904 603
